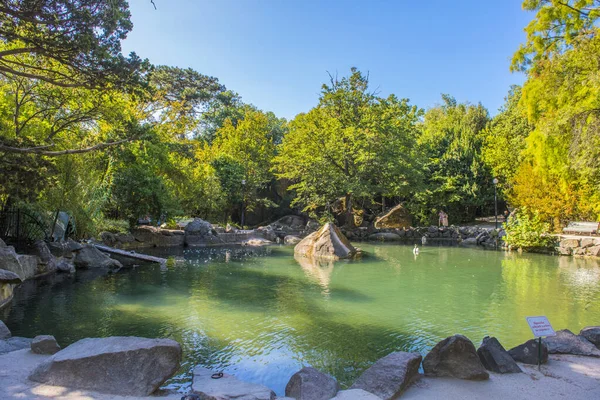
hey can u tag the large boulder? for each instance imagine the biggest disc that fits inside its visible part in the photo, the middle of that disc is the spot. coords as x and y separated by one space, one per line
24 266
8 281
398 217
311 384
199 233
9 277
390 375
126 366
4 331
566 342
455 357
355 394
569 243
227 387
591 333
90 257
527 353
64 248
44 344
47 262
326 243
65 265
291 239
495 358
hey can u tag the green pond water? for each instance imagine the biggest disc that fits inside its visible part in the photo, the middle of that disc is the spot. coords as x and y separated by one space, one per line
261 315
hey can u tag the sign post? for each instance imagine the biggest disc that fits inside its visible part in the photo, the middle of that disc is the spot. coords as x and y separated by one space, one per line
540 326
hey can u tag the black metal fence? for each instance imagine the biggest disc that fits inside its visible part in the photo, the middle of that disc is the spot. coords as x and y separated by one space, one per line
21 228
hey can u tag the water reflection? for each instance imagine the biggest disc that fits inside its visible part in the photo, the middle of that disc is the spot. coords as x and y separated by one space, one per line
262 314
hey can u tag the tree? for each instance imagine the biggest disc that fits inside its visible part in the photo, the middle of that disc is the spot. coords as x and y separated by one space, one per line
68 43
353 145
457 180
505 139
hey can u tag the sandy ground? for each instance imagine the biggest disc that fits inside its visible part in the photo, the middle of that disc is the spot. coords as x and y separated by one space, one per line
564 377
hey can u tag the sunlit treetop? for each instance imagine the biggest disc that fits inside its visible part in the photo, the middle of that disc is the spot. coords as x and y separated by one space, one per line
556 27
82 35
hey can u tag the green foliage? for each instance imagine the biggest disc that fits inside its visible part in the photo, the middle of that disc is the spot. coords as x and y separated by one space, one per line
112 225
457 181
526 230
353 145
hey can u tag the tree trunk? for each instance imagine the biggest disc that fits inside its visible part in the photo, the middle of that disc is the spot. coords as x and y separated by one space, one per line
349 217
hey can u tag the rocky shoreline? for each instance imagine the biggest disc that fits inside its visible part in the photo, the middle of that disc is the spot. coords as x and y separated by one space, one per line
133 366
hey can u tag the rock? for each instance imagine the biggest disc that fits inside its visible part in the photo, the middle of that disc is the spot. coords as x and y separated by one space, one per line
398 217
593 251
587 242
268 233
384 237
312 226
198 227
200 232
65 265
495 358
108 238
4 331
24 266
564 251
327 243
291 239
256 242
569 243
455 357
355 394
90 257
9 277
13 344
390 375
126 366
579 252
47 260
470 241
527 353
566 342
311 384
591 333
227 387
44 344
64 248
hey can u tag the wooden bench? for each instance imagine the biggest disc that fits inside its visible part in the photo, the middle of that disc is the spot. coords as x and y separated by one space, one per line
582 227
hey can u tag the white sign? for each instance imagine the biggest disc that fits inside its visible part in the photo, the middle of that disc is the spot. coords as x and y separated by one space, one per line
540 326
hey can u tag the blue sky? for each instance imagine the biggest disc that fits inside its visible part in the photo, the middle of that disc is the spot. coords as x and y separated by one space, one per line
276 53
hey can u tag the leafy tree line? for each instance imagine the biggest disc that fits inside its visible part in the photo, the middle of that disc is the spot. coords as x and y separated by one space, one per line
84 128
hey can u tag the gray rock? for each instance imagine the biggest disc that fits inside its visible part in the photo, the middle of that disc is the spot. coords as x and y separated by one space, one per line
9 277
455 357
592 334
291 239
593 251
569 243
355 394
470 241
198 227
13 344
90 257
587 242
227 387
65 265
24 266
384 237
326 243
564 251
527 353
311 384
566 342
44 344
4 331
390 375
495 358
46 259
126 366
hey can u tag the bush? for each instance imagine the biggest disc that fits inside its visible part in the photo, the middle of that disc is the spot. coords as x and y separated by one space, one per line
112 225
525 230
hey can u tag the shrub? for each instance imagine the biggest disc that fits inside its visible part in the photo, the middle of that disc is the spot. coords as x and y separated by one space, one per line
525 230
112 225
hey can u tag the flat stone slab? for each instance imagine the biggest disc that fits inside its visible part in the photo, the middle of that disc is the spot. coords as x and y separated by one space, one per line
390 375
4 331
355 394
566 342
227 388
121 365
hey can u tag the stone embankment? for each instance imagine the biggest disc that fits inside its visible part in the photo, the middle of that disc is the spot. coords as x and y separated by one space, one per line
579 247
133 366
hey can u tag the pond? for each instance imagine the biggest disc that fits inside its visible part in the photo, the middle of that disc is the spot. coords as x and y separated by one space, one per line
261 315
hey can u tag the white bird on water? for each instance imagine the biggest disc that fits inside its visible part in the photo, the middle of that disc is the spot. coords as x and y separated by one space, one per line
415 250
